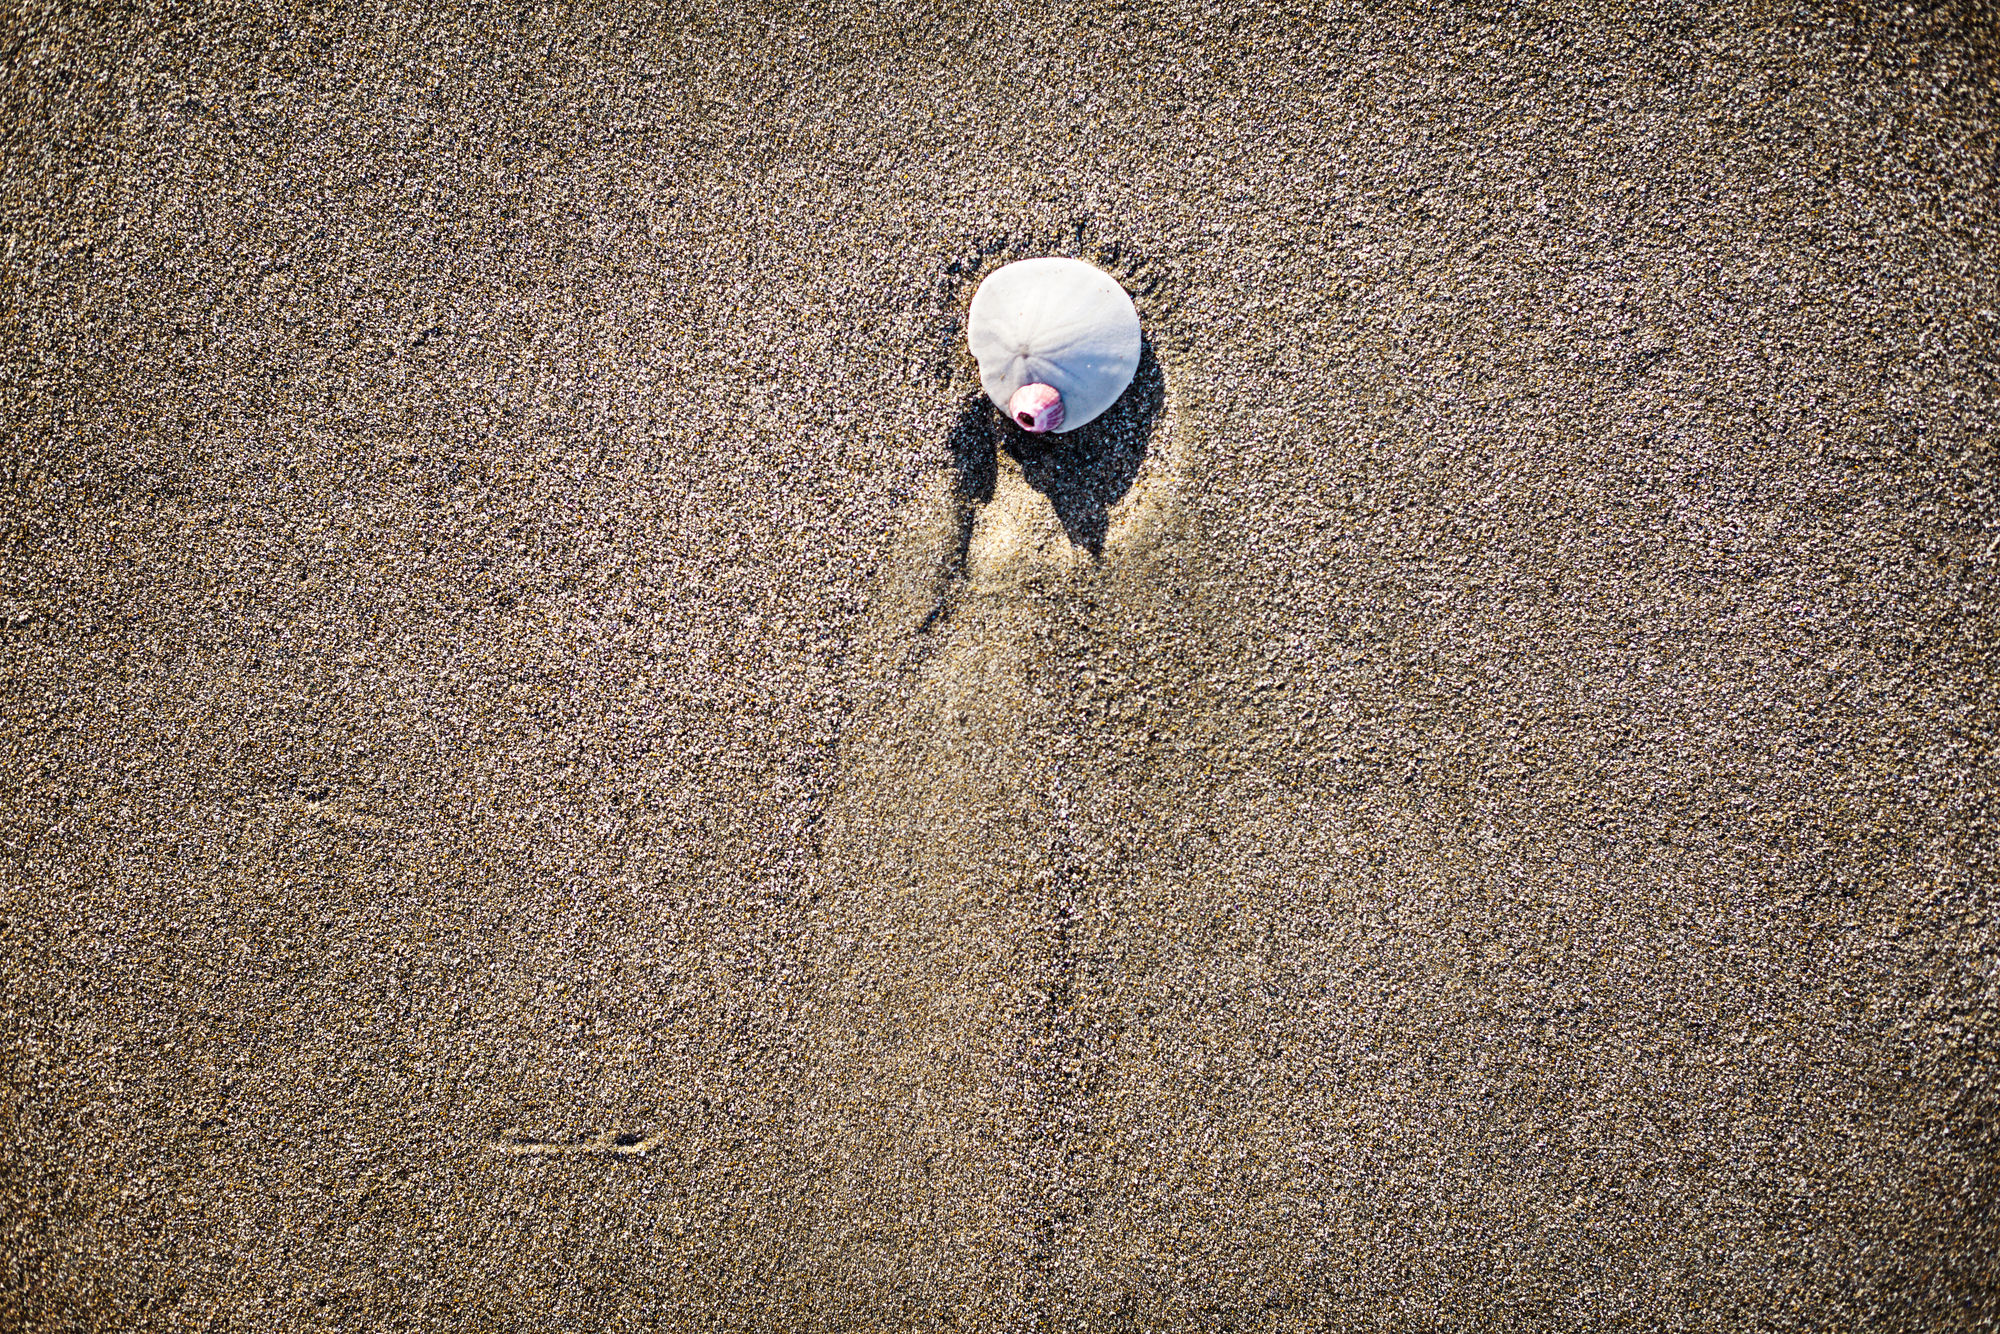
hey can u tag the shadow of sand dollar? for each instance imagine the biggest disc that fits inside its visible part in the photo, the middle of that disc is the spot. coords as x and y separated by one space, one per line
1083 473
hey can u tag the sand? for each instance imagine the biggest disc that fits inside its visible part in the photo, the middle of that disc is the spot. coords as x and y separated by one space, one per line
558 775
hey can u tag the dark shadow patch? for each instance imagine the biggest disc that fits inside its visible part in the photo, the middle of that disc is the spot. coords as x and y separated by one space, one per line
975 467
975 471
1083 473
1087 471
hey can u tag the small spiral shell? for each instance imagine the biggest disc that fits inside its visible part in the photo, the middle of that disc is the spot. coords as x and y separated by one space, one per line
1036 408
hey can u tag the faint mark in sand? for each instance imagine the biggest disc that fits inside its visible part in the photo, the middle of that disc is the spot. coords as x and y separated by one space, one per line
515 1142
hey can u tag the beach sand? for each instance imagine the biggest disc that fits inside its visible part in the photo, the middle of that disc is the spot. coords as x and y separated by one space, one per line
559 774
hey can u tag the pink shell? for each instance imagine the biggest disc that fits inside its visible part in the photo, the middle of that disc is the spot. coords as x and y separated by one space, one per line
1036 408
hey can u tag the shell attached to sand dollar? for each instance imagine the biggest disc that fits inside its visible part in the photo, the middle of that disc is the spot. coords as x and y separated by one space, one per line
1057 341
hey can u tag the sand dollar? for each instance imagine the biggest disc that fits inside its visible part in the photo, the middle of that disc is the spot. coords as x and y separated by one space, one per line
1057 341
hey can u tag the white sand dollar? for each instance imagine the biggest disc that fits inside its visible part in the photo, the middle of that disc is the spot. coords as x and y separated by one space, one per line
1057 341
